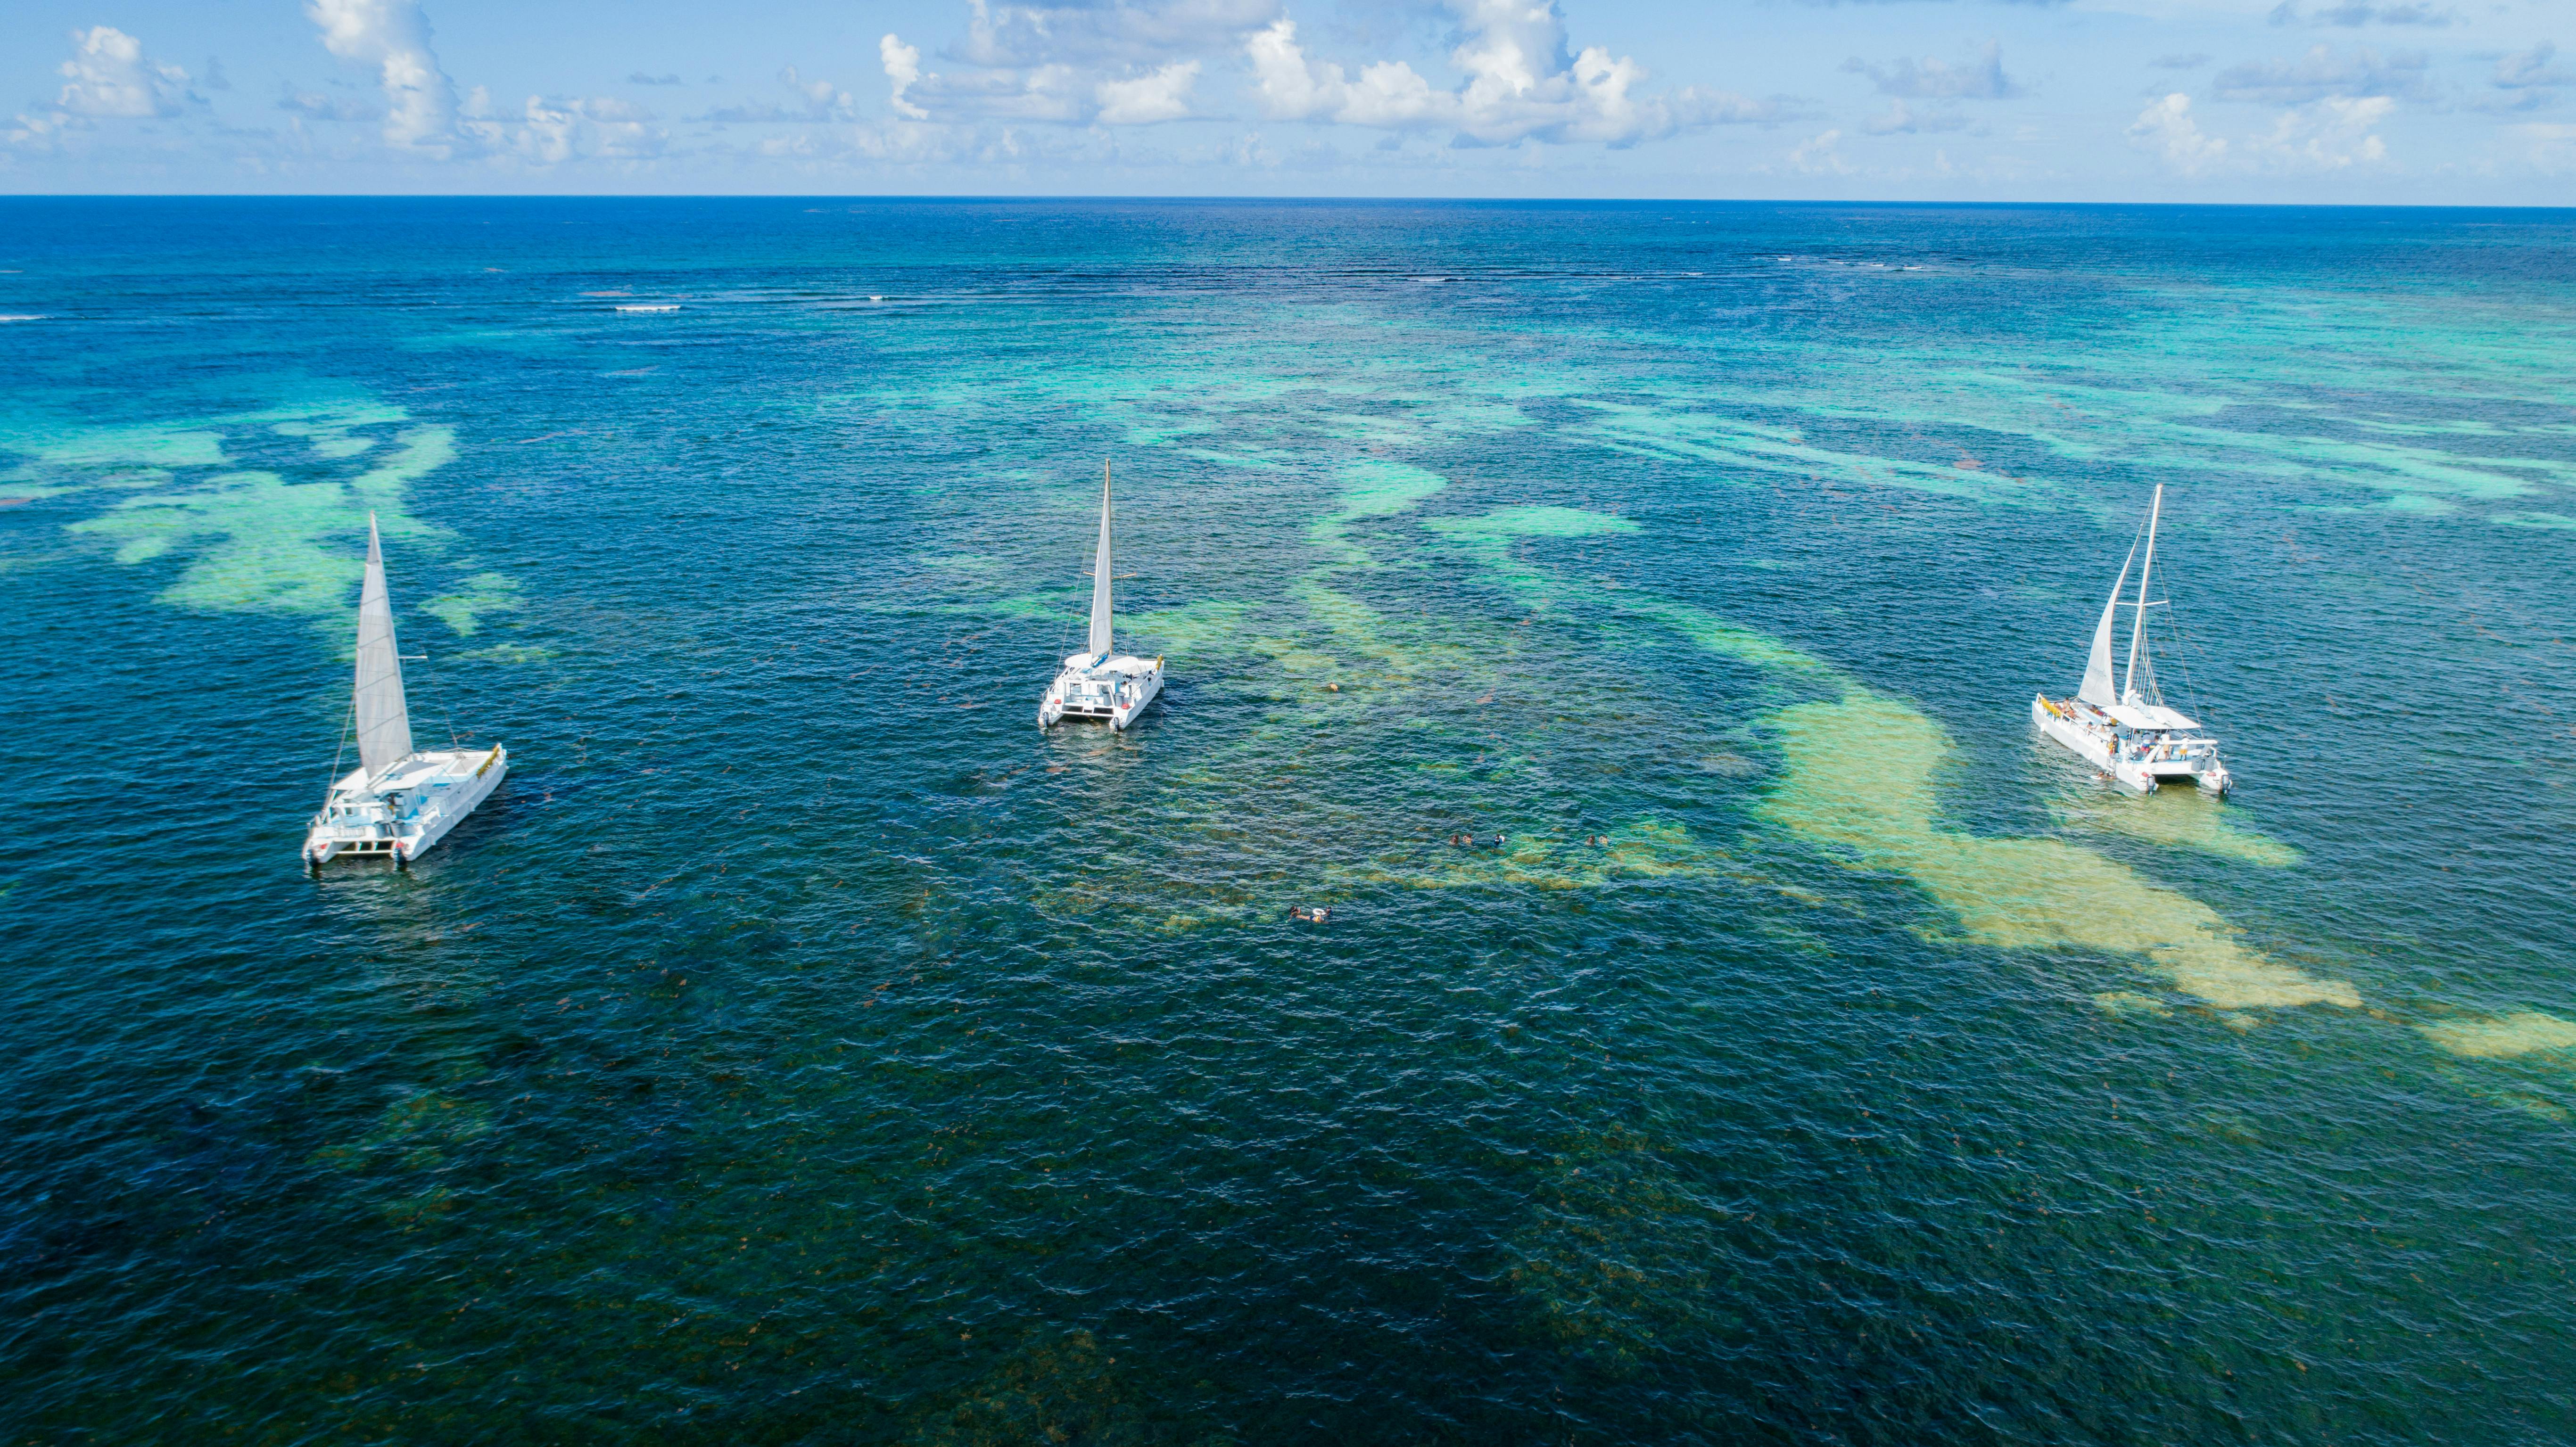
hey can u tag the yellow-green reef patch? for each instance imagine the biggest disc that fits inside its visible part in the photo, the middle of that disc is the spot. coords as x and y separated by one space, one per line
2502 1037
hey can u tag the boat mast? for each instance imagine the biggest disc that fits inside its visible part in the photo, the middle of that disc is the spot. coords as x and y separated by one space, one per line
2138 625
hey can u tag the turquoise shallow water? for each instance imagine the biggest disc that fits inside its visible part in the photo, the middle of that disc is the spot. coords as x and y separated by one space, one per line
802 1047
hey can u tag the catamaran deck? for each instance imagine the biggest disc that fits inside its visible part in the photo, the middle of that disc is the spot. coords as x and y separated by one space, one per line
1113 691
405 810
2117 741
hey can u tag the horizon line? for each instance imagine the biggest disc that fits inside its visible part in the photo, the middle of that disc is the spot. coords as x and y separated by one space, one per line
1251 198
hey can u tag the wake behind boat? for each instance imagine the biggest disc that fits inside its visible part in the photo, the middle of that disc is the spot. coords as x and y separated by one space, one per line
2131 735
398 802
1100 683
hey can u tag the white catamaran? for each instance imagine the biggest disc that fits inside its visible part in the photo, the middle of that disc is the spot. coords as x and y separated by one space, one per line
397 803
2131 735
1097 683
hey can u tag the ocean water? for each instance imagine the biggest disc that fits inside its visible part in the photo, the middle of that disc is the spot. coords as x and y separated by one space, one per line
802 1047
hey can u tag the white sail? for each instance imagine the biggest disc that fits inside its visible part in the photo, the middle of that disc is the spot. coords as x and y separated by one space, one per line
2097 668
1099 644
384 721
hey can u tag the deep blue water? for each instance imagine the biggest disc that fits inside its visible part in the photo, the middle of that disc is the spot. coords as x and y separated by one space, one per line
803 1047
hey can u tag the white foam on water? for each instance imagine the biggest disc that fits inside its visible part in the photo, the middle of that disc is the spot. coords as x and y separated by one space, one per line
657 307
28 317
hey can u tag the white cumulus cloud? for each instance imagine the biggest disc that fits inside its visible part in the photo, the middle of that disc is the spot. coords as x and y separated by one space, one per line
1037 93
2167 128
1162 94
423 119
392 36
108 76
1136 62
2332 134
550 132
903 68
1520 84
1820 154
1117 65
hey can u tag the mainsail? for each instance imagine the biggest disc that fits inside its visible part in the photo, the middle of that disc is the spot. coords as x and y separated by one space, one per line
1099 644
384 722
2097 668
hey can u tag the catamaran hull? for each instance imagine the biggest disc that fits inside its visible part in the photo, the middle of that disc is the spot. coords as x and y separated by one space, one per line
1113 691
1055 709
2138 771
2092 747
409 839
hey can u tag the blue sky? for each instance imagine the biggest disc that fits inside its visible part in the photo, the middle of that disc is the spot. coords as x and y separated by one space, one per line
2373 101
